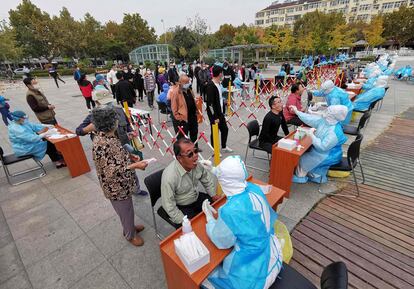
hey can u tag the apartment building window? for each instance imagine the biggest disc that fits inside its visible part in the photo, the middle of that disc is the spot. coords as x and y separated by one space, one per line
351 19
296 17
353 9
400 3
274 19
387 6
259 14
281 19
343 2
299 8
259 22
342 10
282 11
333 3
362 17
324 4
364 7
289 18
305 7
267 21
376 7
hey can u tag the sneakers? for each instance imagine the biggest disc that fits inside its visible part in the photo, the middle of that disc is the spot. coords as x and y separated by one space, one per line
227 150
141 193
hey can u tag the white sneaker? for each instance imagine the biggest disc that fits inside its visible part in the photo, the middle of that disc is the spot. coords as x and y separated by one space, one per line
227 150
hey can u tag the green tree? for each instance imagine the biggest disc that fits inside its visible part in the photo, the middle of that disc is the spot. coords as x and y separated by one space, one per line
93 36
224 36
69 36
24 21
183 42
318 25
135 32
342 36
373 32
248 35
9 50
399 25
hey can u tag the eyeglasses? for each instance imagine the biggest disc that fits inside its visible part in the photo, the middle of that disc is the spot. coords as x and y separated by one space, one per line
191 154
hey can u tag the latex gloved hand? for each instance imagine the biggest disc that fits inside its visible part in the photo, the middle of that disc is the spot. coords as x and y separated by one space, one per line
208 165
310 132
293 108
208 210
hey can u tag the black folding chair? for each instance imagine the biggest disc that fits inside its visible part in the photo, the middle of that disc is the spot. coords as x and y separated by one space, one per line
349 163
153 183
253 128
355 130
163 109
382 99
11 159
334 276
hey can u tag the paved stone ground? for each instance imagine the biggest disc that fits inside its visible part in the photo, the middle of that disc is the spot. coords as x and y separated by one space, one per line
58 232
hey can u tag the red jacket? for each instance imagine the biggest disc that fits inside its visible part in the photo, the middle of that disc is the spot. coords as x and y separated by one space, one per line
86 89
293 99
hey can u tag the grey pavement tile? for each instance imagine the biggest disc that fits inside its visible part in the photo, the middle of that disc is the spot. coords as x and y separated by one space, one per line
290 224
6 239
35 218
80 196
65 266
19 281
295 210
141 267
24 201
93 213
67 184
7 191
107 236
103 277
47 239
10 263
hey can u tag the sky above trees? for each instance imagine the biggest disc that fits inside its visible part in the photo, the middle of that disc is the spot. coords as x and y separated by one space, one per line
174 13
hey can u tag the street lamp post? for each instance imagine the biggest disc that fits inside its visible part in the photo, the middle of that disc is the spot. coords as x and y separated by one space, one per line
165 35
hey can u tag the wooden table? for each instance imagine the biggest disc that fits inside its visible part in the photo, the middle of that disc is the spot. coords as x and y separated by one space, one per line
284 162
176 275
72 151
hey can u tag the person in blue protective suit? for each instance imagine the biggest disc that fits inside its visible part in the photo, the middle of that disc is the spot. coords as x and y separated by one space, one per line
335 96
327 144
364 100
244 222
163 96
26 138
282 72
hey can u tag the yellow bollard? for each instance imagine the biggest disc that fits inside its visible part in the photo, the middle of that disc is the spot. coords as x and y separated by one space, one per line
216 144
229 100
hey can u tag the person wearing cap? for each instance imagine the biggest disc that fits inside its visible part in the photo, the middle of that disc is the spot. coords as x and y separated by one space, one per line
44 111
246 224
364 100
115 170
5 110
327 143
26 138
335 96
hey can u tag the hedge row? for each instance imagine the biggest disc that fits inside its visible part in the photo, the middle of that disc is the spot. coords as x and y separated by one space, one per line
67 71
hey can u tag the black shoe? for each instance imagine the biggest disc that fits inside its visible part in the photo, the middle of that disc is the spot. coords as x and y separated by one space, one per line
141 193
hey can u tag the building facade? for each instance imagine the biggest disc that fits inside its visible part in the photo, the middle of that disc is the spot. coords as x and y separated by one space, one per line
152 52
286 13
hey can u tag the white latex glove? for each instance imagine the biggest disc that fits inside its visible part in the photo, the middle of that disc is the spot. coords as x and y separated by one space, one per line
310 132
43 135
208 165
293 108
208 210
49 126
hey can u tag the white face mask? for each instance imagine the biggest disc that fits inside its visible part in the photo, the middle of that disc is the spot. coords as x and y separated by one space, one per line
186 86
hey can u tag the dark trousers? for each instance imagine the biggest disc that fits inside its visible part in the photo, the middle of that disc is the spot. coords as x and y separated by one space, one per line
5 114
140 94
150 98
203 92
198 85
56 80
52 121
224 130
193 209
89 102
53 153
113 90
190 127
125 211
295 121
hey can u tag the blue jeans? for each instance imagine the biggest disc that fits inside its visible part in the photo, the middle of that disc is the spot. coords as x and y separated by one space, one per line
5 114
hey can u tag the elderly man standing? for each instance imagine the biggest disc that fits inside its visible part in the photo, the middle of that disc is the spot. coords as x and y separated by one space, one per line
183 106
180 180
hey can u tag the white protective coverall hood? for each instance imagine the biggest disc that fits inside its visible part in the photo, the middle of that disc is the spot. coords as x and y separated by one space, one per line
327 86
231 173
335 113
